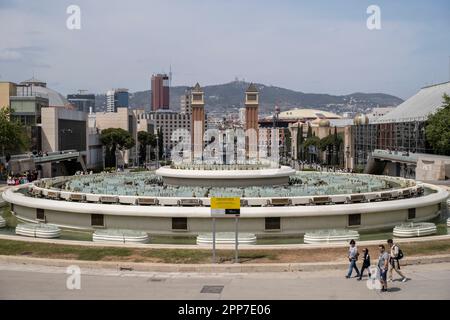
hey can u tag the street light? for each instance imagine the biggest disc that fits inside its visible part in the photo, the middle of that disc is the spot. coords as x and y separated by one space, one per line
136 160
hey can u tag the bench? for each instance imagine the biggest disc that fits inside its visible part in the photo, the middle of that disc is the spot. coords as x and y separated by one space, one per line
53 195
279 202
147 201
108 199
405 193
36 192
321 200
355 198
77 197
385 196
189 202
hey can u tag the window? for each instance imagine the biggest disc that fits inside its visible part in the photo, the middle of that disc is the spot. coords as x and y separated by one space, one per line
179 223
40 215
411 213
97 220
197 97
354 219
251 97
273 223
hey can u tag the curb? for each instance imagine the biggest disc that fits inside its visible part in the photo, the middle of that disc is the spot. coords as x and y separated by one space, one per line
206 268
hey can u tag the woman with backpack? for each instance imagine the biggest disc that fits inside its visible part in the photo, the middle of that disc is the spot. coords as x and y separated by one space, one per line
365 264
352 258
394 263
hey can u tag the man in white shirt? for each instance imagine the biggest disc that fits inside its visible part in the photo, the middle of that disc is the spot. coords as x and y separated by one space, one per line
352 257
394 263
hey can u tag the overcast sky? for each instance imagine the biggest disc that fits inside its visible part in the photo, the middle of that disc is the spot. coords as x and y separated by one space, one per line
300 45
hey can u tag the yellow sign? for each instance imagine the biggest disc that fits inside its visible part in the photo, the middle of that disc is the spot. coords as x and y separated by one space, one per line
225 203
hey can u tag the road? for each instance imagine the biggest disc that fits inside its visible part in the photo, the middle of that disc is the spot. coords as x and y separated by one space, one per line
431 281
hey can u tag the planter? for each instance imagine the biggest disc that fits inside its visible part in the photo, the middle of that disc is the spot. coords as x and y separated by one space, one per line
122 236
39 230
409 230
226 238
331 236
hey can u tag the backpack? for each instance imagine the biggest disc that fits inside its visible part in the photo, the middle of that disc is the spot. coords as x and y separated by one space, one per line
400 254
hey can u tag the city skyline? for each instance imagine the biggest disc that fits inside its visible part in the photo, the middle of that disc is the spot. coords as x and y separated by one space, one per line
296 45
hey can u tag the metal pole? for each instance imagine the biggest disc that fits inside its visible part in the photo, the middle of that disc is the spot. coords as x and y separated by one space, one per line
236 254
214 239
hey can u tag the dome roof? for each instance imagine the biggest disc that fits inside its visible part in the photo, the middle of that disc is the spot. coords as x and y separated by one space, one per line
324 123
35 82
307 114
361 119
55 99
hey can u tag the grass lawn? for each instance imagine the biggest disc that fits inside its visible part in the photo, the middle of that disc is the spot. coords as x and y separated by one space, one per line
43 250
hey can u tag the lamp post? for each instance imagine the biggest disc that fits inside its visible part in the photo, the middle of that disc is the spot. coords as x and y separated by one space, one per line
347 158
136 153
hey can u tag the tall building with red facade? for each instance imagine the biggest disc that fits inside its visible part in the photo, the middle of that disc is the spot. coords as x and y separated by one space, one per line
160 92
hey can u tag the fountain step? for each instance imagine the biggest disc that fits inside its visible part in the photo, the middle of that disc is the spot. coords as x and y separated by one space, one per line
2 222
226 238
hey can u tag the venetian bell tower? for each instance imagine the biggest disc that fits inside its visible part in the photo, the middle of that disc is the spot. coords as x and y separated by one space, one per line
197 122
251 121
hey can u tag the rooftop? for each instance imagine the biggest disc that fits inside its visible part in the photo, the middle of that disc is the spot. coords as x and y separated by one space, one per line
417 108
307 114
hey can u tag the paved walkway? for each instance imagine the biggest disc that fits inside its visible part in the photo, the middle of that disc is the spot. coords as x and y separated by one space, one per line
431 281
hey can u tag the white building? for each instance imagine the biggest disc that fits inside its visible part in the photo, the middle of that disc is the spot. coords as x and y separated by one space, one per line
185 102
167 121
110 101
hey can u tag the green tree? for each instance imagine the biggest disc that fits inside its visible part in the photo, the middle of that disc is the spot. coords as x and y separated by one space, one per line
300 141
160 143
145 139
333 144
115 139
310 132
437 130
12 134
287 142
311 145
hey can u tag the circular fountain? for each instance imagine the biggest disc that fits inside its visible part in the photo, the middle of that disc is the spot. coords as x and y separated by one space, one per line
225 175
176 200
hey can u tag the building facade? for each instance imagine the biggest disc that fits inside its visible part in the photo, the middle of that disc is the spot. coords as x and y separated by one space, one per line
117 98
160 96
82 102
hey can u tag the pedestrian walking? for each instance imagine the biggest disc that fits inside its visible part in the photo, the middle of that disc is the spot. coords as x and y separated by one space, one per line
383 266
352 258
394 262
365 264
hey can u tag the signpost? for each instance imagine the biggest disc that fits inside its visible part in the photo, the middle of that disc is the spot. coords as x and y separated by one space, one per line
225 208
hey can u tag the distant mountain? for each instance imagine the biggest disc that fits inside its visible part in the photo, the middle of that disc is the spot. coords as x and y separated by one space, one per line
229 97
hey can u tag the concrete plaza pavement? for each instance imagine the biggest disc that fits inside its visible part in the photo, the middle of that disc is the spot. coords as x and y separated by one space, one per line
428 281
